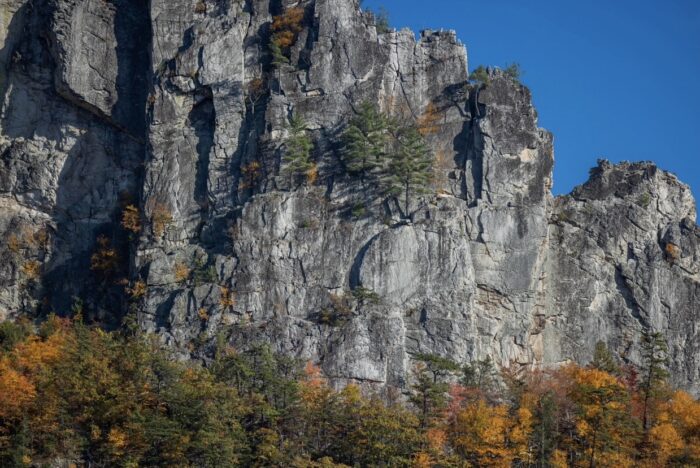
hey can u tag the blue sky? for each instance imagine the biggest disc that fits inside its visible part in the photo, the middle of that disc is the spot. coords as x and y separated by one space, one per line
618 79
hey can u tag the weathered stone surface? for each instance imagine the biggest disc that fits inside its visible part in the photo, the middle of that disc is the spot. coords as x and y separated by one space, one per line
173 106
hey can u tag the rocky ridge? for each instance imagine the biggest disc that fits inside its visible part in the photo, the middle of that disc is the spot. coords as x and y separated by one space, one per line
173 106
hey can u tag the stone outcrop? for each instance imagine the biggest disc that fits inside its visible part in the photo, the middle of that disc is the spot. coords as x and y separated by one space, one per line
174 106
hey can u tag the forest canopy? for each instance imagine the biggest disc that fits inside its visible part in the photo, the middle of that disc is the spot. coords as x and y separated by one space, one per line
77 394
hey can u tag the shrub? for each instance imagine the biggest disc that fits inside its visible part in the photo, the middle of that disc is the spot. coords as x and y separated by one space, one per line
204 274
312 174
358 210
381 20
182 273
14 245
251 174
28 239
285 29
255 91
131 219
644 200
366 295
337 312
673 252
31 269
227 298
160 219
40 238
105 259
138 289
12 333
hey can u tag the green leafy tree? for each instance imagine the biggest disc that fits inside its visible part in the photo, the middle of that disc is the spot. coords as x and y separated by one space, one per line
297 156
409 168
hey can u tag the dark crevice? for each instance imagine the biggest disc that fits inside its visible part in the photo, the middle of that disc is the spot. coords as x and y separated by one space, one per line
163 311
132 30
202 119
357 263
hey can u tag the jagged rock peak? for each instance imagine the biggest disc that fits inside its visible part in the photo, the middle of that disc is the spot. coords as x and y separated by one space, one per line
142 168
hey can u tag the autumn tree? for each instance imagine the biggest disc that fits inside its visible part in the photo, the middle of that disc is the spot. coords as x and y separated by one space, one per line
605 428
675 438
285 29
481 434
69 391
131 219
105 259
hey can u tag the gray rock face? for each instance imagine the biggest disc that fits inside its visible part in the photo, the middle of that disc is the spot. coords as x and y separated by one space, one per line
173 106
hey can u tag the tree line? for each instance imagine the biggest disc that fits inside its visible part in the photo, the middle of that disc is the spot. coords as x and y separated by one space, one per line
81 396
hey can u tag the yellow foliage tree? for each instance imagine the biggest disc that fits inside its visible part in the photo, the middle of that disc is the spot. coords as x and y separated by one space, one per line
131 219
105 259
479 433
161 217
286 26
605 426
16 391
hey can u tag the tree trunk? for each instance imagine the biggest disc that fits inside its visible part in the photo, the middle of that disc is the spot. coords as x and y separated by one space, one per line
406 202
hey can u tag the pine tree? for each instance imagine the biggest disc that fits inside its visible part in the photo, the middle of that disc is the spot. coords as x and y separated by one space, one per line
279 60
366 141
297 157
429 390
409 168
480 375
654 373
604 360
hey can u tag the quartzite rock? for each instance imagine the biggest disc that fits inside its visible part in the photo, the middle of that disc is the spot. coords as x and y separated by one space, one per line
173 106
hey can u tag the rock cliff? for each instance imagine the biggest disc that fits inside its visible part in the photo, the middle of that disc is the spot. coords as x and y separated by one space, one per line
175 107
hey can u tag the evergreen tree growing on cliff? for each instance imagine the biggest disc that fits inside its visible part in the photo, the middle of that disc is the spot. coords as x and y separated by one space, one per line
366 141
409 168
297 157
